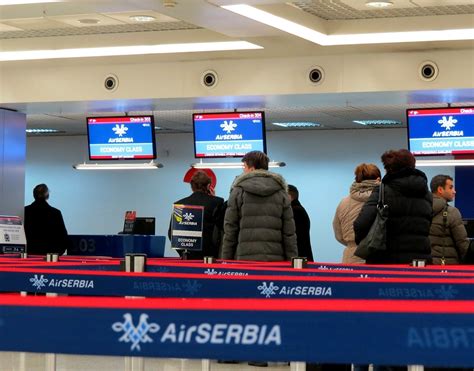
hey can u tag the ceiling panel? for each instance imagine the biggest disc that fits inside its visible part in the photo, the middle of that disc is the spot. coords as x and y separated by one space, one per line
356 9
330 117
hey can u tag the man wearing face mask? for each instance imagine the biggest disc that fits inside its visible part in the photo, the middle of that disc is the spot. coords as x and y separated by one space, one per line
44 225
448 236
258 223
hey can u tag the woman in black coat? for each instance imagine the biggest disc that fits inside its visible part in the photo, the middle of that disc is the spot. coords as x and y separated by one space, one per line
409 211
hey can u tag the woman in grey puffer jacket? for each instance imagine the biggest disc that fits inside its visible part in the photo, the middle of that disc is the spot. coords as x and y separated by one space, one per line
258 223
367 177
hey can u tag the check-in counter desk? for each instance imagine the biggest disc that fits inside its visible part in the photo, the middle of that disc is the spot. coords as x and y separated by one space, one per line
117 245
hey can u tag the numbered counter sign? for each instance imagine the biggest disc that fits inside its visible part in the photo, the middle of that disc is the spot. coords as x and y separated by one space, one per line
186 227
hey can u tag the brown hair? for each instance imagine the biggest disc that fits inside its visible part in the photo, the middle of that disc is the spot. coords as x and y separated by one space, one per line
394 161
256 159
366 172
200 182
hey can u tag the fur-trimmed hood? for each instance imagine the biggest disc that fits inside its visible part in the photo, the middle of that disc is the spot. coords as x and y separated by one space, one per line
261 182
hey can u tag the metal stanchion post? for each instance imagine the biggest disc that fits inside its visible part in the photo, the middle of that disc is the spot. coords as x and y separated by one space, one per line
50 360
297 366
23 255
209 260
135 263
419 262
206 365
299 262
52 258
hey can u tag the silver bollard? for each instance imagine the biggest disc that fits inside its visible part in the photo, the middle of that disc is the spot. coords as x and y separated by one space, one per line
419 262
23 255
299 262
135 263
298 366
52 257
209 260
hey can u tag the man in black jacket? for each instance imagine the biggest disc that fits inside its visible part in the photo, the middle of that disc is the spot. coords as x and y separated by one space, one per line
302 224
201 187
44 225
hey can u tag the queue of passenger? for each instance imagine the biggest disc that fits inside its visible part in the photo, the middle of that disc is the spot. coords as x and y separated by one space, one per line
264 220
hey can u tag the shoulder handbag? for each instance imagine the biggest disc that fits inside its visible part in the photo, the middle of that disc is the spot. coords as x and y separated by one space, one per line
376 238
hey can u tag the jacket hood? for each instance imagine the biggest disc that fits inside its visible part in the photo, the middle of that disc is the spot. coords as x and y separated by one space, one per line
409 182
439 203
362 191
261 182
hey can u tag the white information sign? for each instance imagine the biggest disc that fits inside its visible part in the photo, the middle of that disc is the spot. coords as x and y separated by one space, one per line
12 234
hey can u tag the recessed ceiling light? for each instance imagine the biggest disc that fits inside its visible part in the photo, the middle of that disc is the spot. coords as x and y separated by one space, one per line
142 18
41 131
377 122
89 21
379 4
297 124
26 55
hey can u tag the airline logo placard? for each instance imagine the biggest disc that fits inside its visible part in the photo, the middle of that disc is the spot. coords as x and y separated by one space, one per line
186 227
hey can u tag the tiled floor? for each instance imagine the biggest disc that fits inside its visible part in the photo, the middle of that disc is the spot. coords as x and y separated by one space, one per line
37 362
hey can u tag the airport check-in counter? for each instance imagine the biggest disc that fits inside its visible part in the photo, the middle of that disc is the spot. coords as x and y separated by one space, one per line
117 245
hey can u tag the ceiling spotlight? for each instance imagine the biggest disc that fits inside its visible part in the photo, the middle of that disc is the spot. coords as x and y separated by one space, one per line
142 18
169 3
379 4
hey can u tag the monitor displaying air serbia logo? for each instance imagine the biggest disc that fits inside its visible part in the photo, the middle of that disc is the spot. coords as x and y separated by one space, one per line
439 131
230 134
125 137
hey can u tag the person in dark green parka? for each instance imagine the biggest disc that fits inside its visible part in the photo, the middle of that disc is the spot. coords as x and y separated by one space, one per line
258 223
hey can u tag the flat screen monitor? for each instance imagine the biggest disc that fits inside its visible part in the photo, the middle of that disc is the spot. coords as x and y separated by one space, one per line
230 134
441 131
144 225
121 138
469 224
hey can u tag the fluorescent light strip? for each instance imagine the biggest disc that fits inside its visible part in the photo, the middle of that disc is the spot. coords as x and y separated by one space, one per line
21 2
277 22
230 165
351 39
132 166
297 124
41 131
430 163
127 50
377 122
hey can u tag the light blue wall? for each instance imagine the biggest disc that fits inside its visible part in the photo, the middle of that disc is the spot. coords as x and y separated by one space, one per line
319 162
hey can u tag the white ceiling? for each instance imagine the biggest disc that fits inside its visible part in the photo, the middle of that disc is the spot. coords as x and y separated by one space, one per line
37 26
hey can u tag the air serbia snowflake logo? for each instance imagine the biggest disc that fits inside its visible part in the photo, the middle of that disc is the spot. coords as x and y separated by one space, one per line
210 272
269 290
120 130
188 217
228 127
38 282
446 292
135 334
447 123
